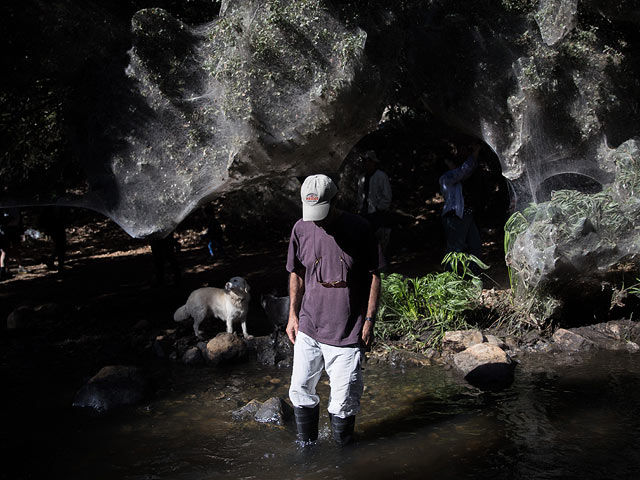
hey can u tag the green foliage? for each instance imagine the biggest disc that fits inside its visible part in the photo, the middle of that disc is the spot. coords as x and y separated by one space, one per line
635 288
458 262
420 310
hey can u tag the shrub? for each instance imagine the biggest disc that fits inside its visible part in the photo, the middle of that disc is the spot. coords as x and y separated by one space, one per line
420 310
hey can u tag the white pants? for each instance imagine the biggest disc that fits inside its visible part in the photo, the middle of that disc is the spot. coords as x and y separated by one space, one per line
342 364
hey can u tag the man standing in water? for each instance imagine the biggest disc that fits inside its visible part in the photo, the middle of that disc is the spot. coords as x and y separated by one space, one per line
334 286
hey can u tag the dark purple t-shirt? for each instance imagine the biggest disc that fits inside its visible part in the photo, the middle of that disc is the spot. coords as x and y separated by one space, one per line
347 250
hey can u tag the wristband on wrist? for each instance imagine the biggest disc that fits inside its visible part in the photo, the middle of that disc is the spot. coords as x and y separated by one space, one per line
371 319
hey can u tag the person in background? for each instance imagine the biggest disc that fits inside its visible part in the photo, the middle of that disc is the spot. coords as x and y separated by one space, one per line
374 197
53 221
4 245
164 252
334 286
461 232
214 235
12 229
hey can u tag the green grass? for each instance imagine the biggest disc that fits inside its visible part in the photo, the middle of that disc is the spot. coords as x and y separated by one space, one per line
420 310
635 288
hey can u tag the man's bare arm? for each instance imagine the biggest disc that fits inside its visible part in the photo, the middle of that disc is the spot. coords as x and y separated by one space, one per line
372 308
296 291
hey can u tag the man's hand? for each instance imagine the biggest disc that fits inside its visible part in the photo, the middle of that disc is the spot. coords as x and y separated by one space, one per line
367 334
292 328
372 307
296 291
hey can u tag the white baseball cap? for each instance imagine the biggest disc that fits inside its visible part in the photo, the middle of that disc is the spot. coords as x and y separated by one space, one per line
316 192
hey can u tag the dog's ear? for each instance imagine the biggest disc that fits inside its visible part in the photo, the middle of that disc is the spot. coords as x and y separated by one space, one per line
247 288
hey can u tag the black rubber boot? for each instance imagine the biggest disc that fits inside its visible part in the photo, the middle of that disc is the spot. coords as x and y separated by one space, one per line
342 429
307 423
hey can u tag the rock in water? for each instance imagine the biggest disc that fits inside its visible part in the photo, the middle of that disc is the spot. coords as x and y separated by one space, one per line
225 347
275 410
485 366
113 386
192 356
247 412
21 318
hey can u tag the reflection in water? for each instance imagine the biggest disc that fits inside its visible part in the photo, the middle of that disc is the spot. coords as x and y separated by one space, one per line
573 421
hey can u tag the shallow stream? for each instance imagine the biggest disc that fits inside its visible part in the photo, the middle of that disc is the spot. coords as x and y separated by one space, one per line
572 417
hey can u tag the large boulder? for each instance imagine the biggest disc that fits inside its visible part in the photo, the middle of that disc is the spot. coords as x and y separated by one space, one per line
572 239
264 92
485 366
112 387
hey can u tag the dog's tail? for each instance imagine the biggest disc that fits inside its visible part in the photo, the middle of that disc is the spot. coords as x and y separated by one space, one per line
181 314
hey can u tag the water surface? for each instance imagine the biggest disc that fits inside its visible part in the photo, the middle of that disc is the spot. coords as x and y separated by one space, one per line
564 417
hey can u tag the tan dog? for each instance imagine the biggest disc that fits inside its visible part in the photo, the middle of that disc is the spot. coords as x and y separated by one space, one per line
230 305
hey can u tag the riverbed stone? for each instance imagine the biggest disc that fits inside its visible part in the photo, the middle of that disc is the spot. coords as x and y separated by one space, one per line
457 341
21 318
275 411
571 340
225 347
614 335
285 363
485 366
248 411
511 343
621 329
162 346
26 317
50 311
192 356
264 348
112 387
142 324
493 340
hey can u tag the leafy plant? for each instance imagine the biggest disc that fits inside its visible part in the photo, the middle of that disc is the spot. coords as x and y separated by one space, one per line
460 261
635 288
422 309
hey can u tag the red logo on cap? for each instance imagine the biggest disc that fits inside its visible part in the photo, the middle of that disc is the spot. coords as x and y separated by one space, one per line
312 197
